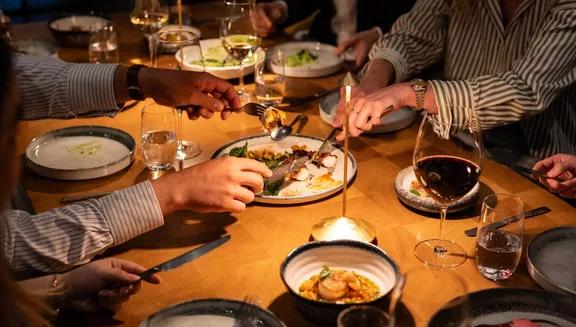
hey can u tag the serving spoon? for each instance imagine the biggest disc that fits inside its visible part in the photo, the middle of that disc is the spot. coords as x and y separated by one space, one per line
283 131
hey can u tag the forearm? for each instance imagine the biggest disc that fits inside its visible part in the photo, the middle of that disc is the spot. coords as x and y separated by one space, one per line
379 73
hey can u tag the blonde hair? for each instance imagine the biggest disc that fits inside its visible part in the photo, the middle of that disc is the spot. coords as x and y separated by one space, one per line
17 307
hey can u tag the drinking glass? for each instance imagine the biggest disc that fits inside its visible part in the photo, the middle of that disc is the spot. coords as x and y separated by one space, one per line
498 249
170 47
158 137
238 35
269 77
448 169
436 297
363 316
149 15
103 45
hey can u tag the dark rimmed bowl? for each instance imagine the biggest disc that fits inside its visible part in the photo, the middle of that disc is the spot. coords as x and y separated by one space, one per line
74 30
366 259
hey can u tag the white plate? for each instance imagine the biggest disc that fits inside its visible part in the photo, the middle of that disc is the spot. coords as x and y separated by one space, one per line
402 185
296 192
390 122
212 48
79 153
81 23
327 62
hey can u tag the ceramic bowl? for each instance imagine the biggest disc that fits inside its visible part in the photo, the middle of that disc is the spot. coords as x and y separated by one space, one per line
75 30
363 258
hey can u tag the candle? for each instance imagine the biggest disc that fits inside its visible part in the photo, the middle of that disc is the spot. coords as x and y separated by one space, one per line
179 4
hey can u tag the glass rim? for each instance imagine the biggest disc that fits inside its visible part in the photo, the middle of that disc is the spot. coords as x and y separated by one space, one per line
167 31
503 195
157 109
429 116
361 307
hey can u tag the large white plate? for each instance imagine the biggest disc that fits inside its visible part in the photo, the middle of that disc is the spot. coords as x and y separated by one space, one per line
79 153
305 192
402 185
390 122
327 63
212 48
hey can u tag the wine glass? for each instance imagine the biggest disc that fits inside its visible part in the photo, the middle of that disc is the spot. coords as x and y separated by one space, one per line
238 35
447 162
149 15
170 48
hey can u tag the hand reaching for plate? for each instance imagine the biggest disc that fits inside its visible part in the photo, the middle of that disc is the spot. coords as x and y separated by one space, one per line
361 43
563 168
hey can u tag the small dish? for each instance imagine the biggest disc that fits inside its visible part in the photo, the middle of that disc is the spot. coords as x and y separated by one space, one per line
35 48
498 306
411 198
209 312
393 121
363 258
550 256
171 48
75 30
80 153
212 49
327 61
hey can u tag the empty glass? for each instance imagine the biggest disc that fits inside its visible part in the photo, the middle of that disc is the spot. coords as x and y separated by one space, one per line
500 234
269 77
103 45
363 316
158 137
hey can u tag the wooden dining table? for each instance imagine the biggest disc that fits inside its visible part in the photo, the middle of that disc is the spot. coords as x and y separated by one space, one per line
263 235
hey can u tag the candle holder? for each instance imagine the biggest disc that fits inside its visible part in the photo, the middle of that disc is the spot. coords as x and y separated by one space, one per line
343 226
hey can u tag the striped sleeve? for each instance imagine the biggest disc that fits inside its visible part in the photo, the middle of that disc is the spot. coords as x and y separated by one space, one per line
529 87
51 88
416 39
62 238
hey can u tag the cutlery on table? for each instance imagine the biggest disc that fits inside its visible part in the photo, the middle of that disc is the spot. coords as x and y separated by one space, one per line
284 131
527 214
325 144
250 108
533 172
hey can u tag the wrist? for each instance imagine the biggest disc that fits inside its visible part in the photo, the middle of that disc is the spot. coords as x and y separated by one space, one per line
170 200
379 74
146 82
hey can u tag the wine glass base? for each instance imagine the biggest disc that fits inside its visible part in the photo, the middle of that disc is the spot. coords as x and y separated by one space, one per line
343 228
440 253
187 150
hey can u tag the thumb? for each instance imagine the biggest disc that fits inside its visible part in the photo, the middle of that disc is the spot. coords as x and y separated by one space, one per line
557 170
114 275
205 101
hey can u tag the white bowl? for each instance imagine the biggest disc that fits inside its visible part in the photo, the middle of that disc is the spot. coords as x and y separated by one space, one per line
215 46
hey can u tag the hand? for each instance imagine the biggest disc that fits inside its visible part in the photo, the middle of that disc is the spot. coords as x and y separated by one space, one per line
177 87
366 110
88 288
361 43
267 16
219 185
563 167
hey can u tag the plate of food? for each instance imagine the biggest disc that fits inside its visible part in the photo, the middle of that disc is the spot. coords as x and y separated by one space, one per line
313 181
546 258
216 60
211 312
75 30
511 307
81 152
393 121
412 194
309 59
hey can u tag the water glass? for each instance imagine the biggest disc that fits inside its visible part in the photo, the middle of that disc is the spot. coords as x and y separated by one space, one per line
500 234
103 45
158 137
363 316
269 76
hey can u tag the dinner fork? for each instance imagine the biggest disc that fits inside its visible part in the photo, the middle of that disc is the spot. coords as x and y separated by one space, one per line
250 108
247 313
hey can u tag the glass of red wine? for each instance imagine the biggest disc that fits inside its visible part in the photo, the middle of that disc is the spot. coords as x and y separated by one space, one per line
447 162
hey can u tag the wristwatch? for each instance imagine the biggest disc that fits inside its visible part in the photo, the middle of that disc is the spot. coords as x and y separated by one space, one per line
134 90
419 87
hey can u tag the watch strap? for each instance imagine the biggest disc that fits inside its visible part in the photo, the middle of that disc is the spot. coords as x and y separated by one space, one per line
134 90
419 87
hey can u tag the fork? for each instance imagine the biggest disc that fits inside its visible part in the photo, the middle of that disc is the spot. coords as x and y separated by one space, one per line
250 108
247 313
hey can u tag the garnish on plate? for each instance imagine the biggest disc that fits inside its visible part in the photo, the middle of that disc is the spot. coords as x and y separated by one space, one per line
417 189
300 58
85 149
339 286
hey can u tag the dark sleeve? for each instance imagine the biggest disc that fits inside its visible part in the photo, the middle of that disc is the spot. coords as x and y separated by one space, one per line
300 9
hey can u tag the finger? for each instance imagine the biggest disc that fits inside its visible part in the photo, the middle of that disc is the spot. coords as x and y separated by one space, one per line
206 113
193 112
117 275
225 114
377 119
251 165
544 165
254 181
211 84
342 47
128 266
234 206
243 194
557 170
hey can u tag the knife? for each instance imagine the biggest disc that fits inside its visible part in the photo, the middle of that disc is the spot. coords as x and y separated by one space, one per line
533 172
501 223
325 144
184 258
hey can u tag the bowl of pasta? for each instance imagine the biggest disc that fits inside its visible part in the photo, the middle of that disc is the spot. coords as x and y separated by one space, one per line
325 277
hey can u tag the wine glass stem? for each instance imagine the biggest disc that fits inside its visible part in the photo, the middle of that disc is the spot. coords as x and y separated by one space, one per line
179 131
439 249
241 78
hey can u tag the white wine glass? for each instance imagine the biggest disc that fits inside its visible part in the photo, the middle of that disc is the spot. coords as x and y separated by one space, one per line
170 48
238 35
149 15
447 161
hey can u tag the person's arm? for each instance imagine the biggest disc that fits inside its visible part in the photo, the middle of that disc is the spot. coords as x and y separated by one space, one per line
62 238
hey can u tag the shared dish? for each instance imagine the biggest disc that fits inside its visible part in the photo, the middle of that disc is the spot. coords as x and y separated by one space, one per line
300 58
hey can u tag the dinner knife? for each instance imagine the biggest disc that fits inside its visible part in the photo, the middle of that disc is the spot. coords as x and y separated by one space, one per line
184 258
532 172
527 214
325 144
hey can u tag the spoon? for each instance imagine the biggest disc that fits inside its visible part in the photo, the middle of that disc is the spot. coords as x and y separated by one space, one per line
395 297
283 131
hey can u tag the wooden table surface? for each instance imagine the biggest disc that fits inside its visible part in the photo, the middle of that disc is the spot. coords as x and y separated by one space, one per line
263 235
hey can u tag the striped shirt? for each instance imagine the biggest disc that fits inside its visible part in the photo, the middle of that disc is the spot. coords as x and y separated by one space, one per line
523 72
62 238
